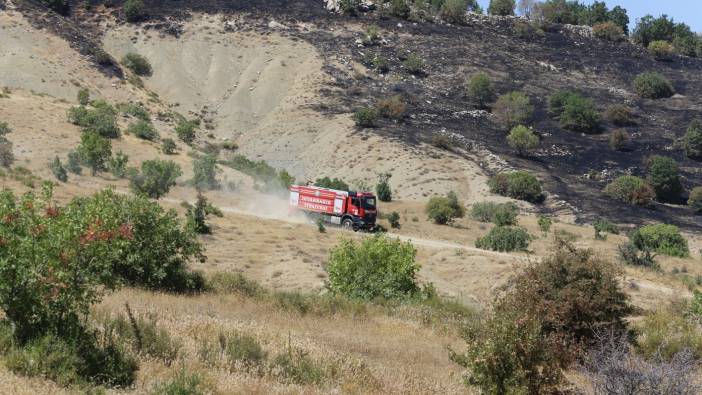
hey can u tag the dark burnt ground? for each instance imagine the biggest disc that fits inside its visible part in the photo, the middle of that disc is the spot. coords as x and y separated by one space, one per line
559 60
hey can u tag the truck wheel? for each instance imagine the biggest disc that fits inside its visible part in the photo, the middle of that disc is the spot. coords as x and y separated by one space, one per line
347 224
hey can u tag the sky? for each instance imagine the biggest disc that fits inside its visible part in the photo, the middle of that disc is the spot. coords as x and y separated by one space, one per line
687 11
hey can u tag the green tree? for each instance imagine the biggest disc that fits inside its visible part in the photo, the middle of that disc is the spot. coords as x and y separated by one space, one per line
513 109
95 151
501 7
205 172
574 112
138 64
443 210
156 178
693 140
375 267
522 139
632 190
382 188
517 185
661 238
652 85
664 178
480 90
74 163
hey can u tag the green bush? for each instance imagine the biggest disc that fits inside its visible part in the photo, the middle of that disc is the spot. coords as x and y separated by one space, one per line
454 11
155 179
574 112
414 64
695 200
513 109
518 185
618 140
693 140
661 50
609 31
137 110
480 90
197 215
74 161
101 119
632 190
603 226
134 10
366 117
629 254
661 238
332 183
83 96
382 188
498 213
95 151
375 267
664 178
620 115
394 219
144 130
666 332
144 336
545 223
649 29
58 170
504 238
258 170
501 7
186 130
443 210
138 64
168 146
652 85
205 173
522 139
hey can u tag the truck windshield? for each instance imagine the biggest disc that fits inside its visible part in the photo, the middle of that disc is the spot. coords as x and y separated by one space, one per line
369 203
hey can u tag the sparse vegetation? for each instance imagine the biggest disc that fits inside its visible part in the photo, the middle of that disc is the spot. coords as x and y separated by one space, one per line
168 146
394 219
618 139
136 110
620 115
74 163
693 140
513 109
144 130
7 157
609 31
58 170
375 267
155 179
480 90
138 64
83 96
454 11
365 117
500 214
413 63
502 7
186 130
443 210
504 238
392 107
522 139
518 185
205 173
632 190
663 176
661 50
667 332
382 188
652 85
545 223
695 200
603 226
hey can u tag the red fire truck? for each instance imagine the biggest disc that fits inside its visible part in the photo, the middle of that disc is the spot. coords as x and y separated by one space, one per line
352 210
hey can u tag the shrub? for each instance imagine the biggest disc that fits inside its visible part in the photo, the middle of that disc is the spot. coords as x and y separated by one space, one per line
545 223
393 107
376 267
366 117
527 31
650 29
508 355
652 85
414 64
74 161
235 283
632 190
156 178
136 110
394 219
513 109
134 10
501 214
7 158
144 336
620 115
501 7
663 177
443 210
95 151
400 9
197 215
667 332
101 119
168 146
522 139
4 129
504 238
609 31
618 139
118 164
382 188
574 112
661 50
480 90
332 183
661 238
297 367
205 173
83 96
138 64
182 384
454 11
442 141
603 226
259 170
144 130
58 170
693 140
695 200
518 185
629 254
186 130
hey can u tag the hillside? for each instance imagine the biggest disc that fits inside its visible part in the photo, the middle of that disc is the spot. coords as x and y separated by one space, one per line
279 82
